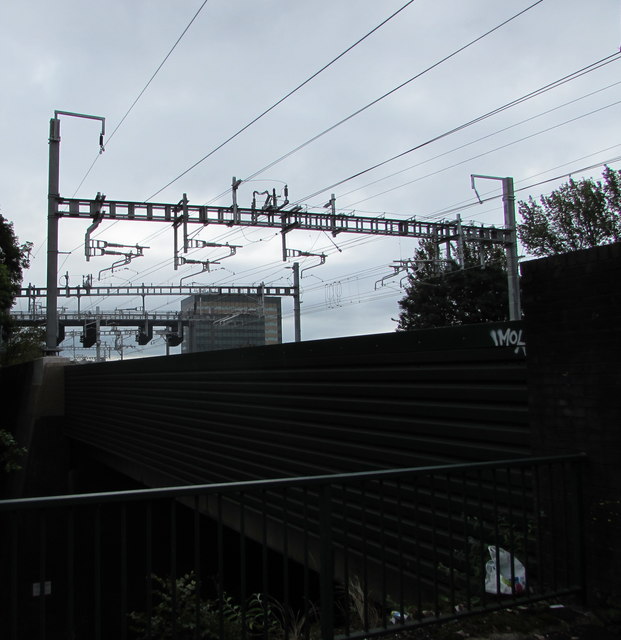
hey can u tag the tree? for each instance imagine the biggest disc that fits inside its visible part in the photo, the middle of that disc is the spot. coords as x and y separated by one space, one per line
17 345
577 215
440 293
14 258
22 344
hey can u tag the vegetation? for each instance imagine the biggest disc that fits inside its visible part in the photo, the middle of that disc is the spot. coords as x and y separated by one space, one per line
577 215
440 293
10 452
17 345
22 344
179 610
14 258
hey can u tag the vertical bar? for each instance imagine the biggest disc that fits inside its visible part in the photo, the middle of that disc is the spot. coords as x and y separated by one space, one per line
537 470
508 198
42 569
399 515
242 563
365 559
306 568
53 192
417 529
382 541
564 525
580 537
149 564
123 593
97 573
71 573
173 566
525 529
449 515
346 578
481 531
197 568
265 564
285 558
434 544
297 316
467 549
14 616
220 547
496 530
327 562
509 533
553 525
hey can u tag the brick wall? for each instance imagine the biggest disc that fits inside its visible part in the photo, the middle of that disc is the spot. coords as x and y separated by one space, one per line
572 308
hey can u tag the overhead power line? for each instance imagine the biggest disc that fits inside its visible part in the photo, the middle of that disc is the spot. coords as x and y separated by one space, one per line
281 100
133 104
474 203
466 144
489 151
553 85
394 90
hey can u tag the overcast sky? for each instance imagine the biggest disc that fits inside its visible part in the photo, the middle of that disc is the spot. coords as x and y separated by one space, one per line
236 60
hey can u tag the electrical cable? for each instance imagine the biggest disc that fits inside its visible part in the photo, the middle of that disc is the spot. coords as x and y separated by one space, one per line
472 202
143 90
557 83
281 100
389 93
553 85
468 144
485 153
475 202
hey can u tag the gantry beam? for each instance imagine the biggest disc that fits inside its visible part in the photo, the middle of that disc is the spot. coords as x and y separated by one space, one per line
158 290
274 218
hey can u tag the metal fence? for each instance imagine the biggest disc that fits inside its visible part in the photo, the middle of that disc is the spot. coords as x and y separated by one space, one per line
351 555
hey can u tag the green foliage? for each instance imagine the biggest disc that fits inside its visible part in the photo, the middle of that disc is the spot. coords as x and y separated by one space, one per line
577 215
10 452
22 345
14 257
440 293
184 605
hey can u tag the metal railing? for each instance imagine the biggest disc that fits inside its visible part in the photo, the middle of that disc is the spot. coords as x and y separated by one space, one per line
353 555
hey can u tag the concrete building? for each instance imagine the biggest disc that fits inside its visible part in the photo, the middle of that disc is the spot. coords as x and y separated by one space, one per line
230 321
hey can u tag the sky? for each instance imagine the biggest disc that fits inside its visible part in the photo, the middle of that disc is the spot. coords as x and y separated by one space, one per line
176 80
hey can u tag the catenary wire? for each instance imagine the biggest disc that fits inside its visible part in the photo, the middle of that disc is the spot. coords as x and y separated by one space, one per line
485 153
281 100
574 75
133 104
472 142
392 91
592 67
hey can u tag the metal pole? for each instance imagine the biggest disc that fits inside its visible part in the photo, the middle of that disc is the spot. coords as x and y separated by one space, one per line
460 243
51 327
296 302
98 341
513 282
508 198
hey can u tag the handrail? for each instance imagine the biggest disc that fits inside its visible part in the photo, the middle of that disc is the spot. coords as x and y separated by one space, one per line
231 487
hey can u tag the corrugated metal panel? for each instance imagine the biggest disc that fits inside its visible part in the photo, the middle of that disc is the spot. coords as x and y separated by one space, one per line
330 406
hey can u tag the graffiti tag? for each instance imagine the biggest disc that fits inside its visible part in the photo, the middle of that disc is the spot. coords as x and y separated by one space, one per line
509 338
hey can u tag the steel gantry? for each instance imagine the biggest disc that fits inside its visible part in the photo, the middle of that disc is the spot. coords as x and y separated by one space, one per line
279 219
271 214
286 221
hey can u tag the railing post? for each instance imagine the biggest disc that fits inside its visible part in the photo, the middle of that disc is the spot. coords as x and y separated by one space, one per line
326 572
581 533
